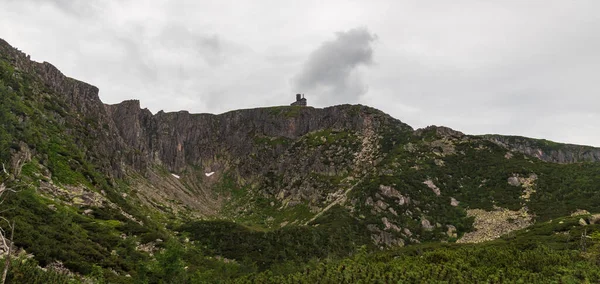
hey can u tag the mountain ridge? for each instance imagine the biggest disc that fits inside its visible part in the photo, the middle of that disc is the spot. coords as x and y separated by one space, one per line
340 177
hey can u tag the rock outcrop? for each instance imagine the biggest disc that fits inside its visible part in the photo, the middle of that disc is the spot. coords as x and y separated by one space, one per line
547 150
286 165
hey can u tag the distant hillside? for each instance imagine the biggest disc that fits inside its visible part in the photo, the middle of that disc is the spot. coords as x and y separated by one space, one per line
114 192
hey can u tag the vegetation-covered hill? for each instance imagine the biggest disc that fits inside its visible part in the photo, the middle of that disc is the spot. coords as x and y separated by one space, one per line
113 193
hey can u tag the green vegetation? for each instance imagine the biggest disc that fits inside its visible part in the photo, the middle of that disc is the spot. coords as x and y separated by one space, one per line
80 242
36 124
337 235
448 265
259 236
547 253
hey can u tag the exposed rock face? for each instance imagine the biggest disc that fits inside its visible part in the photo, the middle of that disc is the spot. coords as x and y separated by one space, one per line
454 202
81 98
514 181
389 191
451 231
383 237
433 187
580 212
426 225
542 149
546 150
287 155
125 140
388 225
179 139
441 131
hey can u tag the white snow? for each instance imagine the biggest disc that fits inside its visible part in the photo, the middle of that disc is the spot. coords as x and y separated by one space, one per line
209 174
176 176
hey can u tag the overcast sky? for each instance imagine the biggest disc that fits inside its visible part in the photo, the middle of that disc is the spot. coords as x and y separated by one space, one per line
526 68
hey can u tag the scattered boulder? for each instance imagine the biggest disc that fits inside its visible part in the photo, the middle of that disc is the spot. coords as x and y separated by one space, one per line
59 267
387 239
582 222
580 212
439 163
451 231
454 202
389 191
433 187
410 147
595 219
382 205
389 225
426 224
514 181
380 237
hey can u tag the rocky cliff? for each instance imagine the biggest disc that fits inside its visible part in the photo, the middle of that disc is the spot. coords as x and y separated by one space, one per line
274 167
547 150
104 185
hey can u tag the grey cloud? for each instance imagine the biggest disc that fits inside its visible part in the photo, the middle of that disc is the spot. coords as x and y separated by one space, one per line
80 9
138 61
512 67
331 69
210 47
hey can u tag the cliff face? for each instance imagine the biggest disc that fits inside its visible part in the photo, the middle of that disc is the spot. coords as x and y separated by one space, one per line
127 135
546 150
177 140
281 151
78 98
275 166
125 141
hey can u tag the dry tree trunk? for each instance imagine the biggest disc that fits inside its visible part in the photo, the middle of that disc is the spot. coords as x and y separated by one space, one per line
9 251
7 245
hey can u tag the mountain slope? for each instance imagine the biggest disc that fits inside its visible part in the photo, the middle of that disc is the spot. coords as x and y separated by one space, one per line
102 188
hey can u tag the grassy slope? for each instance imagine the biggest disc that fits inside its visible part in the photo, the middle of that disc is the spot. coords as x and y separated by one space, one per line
33 119
31 114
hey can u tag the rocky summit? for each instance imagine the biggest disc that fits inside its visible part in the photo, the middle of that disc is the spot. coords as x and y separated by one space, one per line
114 193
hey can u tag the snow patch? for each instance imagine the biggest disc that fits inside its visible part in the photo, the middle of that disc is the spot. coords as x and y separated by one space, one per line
209 174
176 176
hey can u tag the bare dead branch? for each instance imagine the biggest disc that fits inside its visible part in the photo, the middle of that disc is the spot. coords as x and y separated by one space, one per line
3 239
8 256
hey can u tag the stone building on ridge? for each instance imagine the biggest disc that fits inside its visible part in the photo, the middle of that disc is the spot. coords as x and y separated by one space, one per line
300 100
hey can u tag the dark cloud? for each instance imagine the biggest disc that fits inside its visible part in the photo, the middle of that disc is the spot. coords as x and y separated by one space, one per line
330 72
